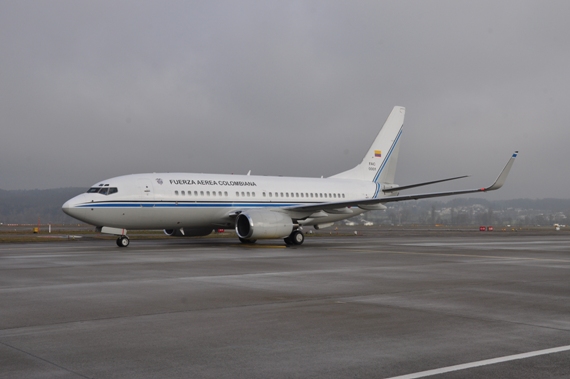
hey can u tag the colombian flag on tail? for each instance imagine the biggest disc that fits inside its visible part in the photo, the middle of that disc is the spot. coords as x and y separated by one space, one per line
378 153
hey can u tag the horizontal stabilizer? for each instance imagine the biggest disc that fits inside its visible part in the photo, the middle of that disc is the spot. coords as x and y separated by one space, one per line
401 188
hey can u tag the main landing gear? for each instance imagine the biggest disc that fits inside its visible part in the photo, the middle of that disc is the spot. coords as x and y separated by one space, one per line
295 238
123 241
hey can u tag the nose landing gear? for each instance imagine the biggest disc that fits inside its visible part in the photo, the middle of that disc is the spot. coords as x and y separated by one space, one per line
123 241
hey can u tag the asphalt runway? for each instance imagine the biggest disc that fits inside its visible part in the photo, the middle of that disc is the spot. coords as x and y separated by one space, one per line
339 307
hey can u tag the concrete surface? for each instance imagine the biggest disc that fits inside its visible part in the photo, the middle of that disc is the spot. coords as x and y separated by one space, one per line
376 306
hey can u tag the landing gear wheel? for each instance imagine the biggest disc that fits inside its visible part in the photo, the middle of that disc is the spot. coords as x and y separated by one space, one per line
246 241
123 241
295 238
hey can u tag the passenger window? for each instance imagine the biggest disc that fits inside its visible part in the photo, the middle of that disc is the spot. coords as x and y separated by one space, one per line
183 193
213 193
207 193
176 193
201 193
270 194
253 194
237 194
248 194
226 193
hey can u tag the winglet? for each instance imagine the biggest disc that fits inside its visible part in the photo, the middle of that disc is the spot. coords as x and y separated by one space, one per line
503 176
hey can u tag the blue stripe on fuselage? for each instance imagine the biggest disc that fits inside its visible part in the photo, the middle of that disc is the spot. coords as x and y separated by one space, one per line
186 205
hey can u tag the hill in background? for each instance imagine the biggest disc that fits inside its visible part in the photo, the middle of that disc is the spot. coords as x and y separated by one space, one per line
26 206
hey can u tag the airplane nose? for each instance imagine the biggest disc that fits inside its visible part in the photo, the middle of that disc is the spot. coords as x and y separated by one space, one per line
67 207
70 207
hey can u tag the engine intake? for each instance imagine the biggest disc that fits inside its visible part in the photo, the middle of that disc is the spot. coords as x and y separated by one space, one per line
263 224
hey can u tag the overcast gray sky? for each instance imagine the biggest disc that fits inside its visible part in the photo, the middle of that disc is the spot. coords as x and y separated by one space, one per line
92 90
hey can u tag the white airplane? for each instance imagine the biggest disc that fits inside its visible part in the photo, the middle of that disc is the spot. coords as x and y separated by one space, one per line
258 207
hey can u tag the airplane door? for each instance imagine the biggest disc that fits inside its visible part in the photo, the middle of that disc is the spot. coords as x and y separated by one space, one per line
145 188
145 214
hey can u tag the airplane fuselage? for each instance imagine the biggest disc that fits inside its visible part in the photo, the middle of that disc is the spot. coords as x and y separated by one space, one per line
175 200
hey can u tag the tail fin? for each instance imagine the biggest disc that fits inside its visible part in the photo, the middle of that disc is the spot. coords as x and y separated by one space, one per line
379 164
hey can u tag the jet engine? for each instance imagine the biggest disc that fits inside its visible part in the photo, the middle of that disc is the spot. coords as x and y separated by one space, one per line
188 232
263 224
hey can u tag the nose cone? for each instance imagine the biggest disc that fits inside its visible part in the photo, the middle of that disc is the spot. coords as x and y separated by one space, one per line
67 207
72 207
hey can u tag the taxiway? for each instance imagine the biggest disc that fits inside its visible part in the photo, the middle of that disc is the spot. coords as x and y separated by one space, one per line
361 307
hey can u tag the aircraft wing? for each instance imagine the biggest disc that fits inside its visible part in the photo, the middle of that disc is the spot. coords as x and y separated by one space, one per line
366 203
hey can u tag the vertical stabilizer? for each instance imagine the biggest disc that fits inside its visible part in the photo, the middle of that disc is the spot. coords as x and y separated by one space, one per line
379 163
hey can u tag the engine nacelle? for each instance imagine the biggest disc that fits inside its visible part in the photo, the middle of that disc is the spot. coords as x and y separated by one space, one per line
188 232
263 224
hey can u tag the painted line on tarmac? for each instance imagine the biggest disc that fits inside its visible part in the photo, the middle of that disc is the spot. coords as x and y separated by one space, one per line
435 244
485 362
453 255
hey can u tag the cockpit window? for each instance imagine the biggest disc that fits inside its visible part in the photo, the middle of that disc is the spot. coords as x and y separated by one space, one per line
103 190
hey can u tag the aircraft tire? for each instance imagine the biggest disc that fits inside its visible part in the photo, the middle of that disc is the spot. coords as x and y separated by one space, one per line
246 241
288 241
123 241
297 237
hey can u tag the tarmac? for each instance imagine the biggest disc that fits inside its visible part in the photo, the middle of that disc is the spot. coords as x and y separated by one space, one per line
378 305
